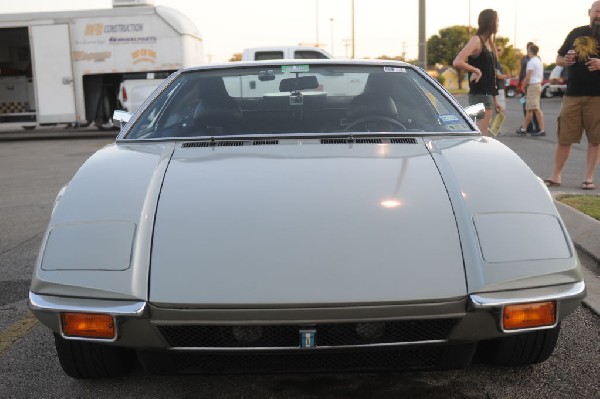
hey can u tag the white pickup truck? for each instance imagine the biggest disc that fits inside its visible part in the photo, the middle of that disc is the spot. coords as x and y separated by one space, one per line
132 93
284 52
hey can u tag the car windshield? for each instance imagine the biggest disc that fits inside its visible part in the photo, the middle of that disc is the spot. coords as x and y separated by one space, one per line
303 98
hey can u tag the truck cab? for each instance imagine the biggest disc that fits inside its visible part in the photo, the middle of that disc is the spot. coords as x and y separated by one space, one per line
284 52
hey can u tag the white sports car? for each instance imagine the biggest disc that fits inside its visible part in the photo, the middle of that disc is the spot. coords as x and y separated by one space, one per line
303 215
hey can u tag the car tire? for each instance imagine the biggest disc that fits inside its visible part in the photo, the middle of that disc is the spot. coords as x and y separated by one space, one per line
88 360
510 91
520 349
547 93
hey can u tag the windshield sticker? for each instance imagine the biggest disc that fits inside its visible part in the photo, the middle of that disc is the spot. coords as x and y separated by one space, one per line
448 119
295 68
457 127
394 69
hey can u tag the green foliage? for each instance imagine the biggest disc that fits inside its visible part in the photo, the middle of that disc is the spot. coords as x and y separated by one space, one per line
441 79
443 47
588 204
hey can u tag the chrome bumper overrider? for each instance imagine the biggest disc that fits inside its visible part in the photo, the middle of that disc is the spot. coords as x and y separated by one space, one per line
46 303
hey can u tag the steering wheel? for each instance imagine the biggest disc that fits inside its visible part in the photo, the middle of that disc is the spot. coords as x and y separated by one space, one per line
366 119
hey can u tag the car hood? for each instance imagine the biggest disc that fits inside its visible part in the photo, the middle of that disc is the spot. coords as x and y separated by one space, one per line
304 223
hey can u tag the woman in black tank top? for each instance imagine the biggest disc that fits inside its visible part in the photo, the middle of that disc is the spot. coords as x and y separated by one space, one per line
478 58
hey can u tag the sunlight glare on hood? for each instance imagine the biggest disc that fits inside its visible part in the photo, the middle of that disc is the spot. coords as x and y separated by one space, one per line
390 203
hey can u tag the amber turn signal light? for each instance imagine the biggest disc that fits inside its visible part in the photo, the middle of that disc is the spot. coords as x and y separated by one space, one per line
88 325
529 315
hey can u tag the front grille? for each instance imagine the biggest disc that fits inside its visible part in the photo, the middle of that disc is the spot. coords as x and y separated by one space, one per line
309 360
288 336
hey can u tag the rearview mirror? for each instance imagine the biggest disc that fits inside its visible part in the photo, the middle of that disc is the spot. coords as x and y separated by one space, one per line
476 111
299 83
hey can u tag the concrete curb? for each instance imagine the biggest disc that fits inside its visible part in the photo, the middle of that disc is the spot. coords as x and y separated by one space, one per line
55 134
585 233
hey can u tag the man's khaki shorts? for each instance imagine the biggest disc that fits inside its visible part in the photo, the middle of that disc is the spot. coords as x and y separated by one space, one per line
534 93
579 113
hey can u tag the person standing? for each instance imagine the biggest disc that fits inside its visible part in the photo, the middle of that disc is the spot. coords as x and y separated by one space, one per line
500 77
479 60
497 120
533 126
580 106
533 84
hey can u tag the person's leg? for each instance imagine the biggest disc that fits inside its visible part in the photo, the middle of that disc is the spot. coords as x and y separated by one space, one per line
534 126
539 115
569 131
484 124
528 117
592 162
591 123
560 158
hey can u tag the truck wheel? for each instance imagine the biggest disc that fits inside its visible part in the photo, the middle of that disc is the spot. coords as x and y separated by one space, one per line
87 360
520 349
510 91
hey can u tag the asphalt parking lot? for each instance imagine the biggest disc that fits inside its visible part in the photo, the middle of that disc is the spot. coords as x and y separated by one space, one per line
34 169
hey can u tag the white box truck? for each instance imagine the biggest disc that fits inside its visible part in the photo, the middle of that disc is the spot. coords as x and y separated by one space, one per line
68 66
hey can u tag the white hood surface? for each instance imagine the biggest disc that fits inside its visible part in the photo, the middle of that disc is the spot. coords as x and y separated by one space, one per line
304 224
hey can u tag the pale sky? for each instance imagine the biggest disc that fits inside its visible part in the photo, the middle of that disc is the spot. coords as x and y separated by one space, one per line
387 27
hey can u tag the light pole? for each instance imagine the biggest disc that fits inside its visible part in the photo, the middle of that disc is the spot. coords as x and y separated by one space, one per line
422 42
353 41
317 22
331 24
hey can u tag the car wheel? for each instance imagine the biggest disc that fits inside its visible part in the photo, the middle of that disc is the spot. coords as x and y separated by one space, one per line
519 349
88 360
510 91
547 93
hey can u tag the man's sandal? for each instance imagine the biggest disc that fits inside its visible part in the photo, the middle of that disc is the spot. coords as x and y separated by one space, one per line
551 183
588 185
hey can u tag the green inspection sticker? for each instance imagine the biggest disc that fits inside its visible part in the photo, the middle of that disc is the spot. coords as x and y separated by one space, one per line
295 68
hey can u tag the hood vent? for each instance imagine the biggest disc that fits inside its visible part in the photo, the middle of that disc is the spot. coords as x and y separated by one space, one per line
213 144
350 141
334 141
265 142
404 140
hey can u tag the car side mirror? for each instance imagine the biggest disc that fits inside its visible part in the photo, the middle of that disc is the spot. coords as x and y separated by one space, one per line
120 118
476 111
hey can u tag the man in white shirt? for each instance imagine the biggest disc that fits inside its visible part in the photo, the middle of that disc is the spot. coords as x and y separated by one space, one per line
532 84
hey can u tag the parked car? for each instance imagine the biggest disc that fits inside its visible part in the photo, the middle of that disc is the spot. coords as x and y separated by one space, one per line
511 86
231 227
558 80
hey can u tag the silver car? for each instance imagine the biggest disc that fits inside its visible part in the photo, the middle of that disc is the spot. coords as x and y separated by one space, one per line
303 215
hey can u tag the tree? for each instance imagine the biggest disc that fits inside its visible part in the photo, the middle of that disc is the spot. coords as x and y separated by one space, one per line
443 48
